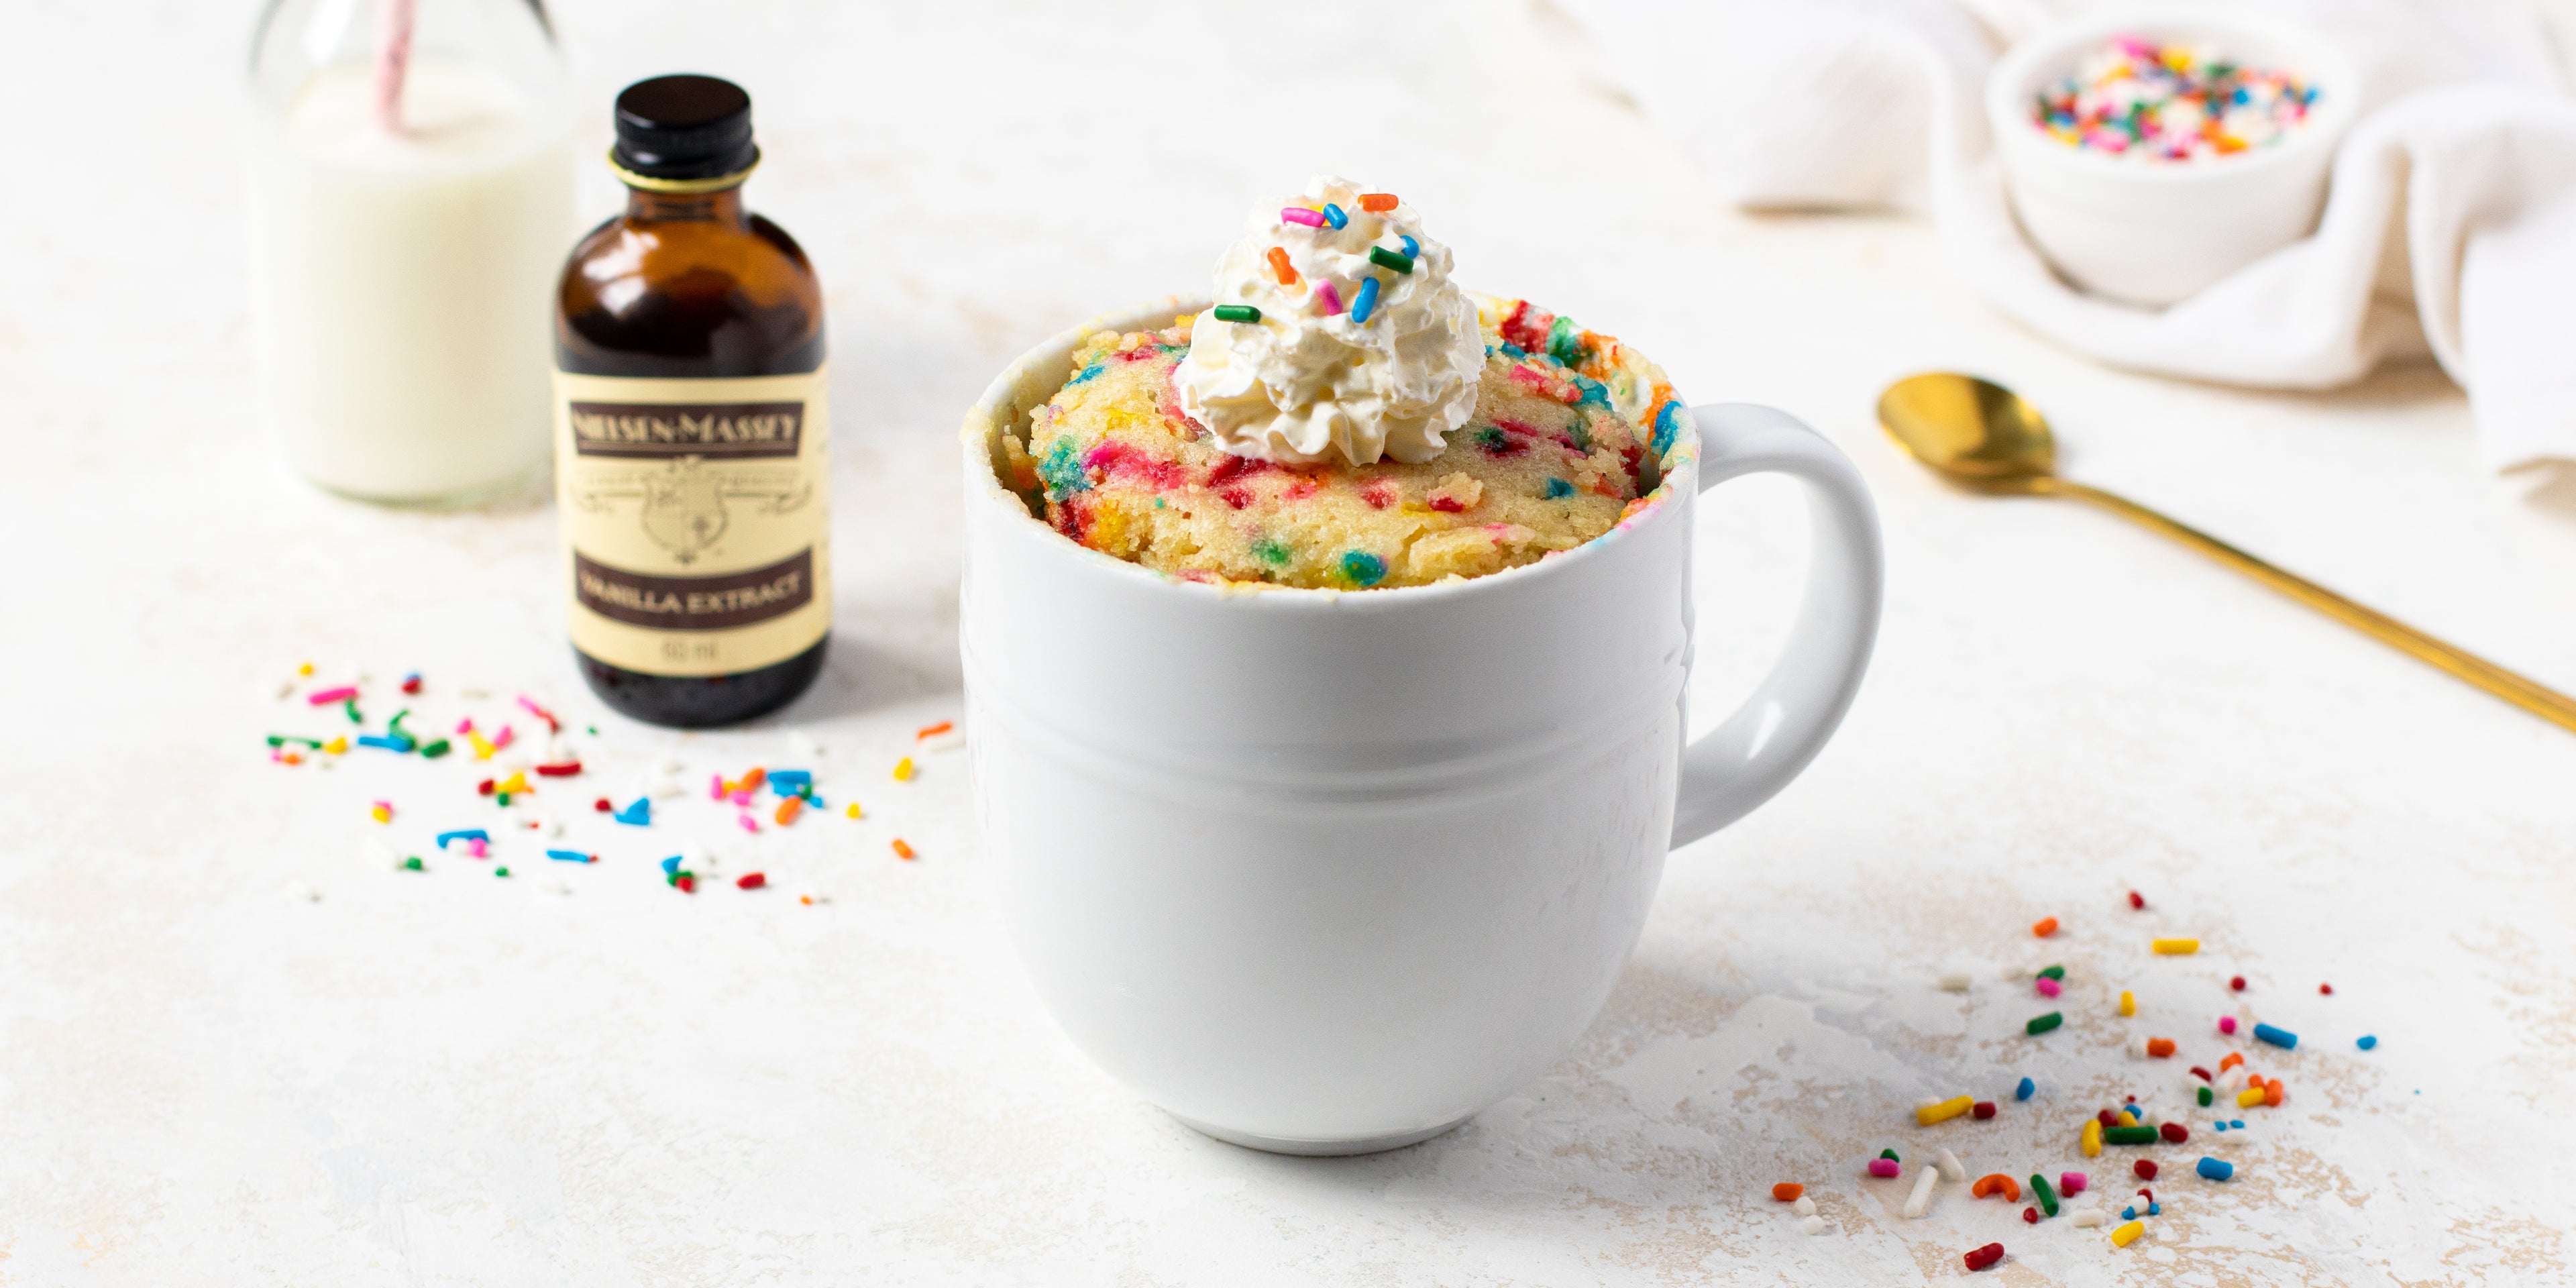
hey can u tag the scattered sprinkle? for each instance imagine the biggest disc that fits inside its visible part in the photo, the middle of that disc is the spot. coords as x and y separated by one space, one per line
1983 1110
2044 927
2226 1024
2282 1038
2176 947
1885 1168
2137 900
854 811
902 850
2048 987
2024 1089
2325 990
1981 1258
2160 1048
571 856
1384 258
750 881
2237 983
1364 304
413 864
1377 203
1787 1192
1281 268
2128 1002
1329 298
1951 1169
1920 1201
2366 1042
2128 1234
2091 1140
638 812
1996 1183
2072 1183
1334 215
328 696
903 770
2047 1196
1944 1111
1302 216
1237 313
2043 1023
2216 1169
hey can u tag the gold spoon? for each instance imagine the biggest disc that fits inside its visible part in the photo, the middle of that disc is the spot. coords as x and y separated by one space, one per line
1985 437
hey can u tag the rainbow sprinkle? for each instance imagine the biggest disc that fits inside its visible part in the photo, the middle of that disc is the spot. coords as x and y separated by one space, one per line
2135 98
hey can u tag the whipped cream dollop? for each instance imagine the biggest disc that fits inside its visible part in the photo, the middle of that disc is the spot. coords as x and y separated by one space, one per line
1362 347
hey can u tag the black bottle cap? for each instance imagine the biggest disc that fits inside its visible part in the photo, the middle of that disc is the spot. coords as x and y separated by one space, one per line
683 128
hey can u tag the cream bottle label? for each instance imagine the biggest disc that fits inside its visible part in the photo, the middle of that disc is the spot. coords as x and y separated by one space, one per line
696 529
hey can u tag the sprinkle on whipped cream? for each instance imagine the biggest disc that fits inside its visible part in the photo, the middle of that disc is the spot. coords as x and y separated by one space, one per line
1337 335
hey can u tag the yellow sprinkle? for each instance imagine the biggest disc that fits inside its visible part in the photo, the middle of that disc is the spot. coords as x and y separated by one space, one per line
304 669
2128 1234
518 782
2128 1002
382 814
1944 1111
2176 947
336 746
903 770
483 747
855 811
2093 1138
2249 1097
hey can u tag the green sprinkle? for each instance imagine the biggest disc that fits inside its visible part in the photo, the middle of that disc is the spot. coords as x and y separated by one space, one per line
2140 1135
592 730
2047 1196
1559 489
2205 1096
500 872
1062 470
1565 342
351 706
503 798
434 750
1270 551
281 739
1888 1154
1237 313
412 864
2043 1024
1384 258
1363 568
2053 972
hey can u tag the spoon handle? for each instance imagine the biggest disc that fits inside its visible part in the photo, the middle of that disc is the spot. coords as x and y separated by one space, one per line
2546 703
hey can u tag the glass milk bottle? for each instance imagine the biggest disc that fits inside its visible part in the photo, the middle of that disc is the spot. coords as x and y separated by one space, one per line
410 182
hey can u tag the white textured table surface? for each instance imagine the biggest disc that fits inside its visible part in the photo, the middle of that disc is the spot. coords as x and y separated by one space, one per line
442 1078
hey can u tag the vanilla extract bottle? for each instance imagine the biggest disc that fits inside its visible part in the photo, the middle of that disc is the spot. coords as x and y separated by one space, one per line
692 440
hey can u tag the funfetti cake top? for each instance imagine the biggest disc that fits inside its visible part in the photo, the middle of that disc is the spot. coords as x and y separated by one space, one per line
1337 336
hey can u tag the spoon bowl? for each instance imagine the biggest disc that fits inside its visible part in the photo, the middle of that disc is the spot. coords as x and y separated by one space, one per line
1973 431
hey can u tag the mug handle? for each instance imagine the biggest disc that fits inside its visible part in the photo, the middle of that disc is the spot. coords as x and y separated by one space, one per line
1755 753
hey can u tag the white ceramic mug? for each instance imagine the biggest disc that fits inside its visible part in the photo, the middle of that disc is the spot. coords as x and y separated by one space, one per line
1327 873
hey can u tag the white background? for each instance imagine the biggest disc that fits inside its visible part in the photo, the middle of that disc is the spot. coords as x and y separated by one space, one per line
443 1078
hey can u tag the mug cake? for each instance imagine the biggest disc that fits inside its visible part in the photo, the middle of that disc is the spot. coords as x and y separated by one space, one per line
1345 417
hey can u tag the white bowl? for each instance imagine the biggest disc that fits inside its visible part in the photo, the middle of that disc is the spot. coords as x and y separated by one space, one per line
2156 232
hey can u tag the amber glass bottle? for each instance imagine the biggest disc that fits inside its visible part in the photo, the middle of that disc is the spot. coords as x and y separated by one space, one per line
692 437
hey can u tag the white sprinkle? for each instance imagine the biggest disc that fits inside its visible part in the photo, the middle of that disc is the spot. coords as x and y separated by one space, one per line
1951 1169
301 893
1812 1225
1804 1206
2089 1217
1954 982
1920 1201
2137 1048
802 745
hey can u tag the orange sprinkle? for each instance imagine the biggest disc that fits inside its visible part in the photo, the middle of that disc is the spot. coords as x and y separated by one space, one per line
2160 1047
2254 1080
788 809
1785 1191
2233 1059
1996 1183
752 780
2045 927
1377 203
933 731
2274 1092
902 850
1280 266
806 899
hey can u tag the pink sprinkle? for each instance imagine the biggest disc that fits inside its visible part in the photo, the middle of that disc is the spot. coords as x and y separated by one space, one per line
747 824
1884 1167
715 787
2049 987
477 848
341 694
2072 1182
1329 298
465 725
541 713
2227 1024
501 739
742 797
1301 215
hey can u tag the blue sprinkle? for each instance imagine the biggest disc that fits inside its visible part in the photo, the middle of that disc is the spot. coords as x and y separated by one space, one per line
466 834
1594 393
2282 1038
568 856
1667 424
2367 1042
2155 1209
2236 1124
638 814
1363 568
1412 248
670 865
395 743
1557 488
1333 215
2024 1091
2128 1214
2219 1126
1088 372
2216 1170
1366 302
792 782
1062 471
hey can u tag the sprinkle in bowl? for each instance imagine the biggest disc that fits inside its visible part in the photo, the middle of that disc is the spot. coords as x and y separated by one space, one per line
2222 133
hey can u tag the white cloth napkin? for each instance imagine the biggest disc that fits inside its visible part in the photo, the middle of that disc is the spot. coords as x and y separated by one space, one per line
2450 227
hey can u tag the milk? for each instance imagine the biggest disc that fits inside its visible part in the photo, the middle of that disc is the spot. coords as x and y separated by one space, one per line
401 284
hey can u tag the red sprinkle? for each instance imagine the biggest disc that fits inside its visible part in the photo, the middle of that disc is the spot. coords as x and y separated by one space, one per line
2202 1074
1447 504
565 770
2145 1169
483 788
1985 1256
2030 1216
2326 989
2137 900
411 684
1983 1109
2237 983
688 883
750 881
603 806
2108 1118
2174 1133
2147 1194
